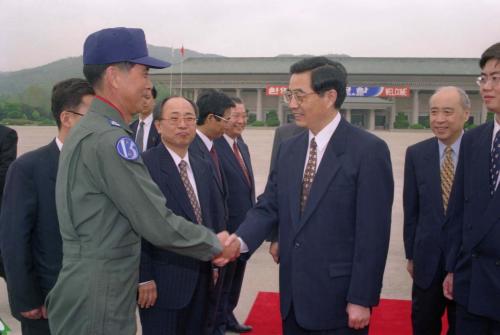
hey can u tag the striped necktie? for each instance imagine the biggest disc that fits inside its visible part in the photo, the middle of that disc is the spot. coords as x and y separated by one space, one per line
447 175
494 164
190 192
309 174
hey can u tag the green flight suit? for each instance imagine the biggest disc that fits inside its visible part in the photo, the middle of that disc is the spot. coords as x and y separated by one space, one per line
105 203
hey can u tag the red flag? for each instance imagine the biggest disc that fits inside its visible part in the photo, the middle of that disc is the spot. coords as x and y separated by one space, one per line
182 51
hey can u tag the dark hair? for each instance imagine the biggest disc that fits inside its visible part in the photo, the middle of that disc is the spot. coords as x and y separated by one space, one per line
212 102
237 100
158 110
326 74
154 93
67 95
94 72
493 52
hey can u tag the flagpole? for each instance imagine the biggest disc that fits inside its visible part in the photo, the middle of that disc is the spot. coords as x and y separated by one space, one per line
171 68
182 65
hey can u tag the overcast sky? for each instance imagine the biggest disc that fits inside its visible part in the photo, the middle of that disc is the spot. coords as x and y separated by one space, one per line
36 32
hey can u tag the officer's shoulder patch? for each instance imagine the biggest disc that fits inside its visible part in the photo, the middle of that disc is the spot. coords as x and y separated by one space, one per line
114 123
126 148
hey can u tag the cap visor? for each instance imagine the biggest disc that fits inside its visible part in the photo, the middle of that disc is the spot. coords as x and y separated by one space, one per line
151 62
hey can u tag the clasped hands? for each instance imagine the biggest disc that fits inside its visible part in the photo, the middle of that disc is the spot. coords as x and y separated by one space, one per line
231 249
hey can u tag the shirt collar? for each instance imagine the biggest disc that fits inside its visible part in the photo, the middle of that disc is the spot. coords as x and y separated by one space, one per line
230 140
177 159
455 147
148 120
59 143
208 142
323 137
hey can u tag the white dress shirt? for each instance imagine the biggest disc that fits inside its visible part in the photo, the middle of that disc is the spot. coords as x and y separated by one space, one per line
148 122
208 142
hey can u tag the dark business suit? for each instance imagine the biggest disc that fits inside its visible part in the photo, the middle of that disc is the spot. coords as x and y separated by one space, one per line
153 136
29 233
183 283
335 251
474 248
219 212
241 197
281 134
8 152
424 237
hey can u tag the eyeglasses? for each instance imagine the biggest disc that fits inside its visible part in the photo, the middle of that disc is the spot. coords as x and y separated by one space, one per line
76 113
299 96
484 79
238 117
177 120
221 118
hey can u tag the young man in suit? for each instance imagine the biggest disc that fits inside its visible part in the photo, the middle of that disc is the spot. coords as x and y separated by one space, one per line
473 255
8 152
145 133
237 167
30 239
174 290
429 172
330 194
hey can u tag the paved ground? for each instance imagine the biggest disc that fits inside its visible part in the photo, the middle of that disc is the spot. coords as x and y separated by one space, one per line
262 273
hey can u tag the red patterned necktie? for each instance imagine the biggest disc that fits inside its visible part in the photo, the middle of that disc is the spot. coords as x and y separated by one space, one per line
309 174
190 192
241 162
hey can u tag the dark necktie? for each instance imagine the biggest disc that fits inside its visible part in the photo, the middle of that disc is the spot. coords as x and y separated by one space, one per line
494 164
190 192
309 174
447 175
215 159
140 137
237 153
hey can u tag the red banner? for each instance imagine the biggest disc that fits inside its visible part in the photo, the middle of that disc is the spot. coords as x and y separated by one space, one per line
396 92
275 90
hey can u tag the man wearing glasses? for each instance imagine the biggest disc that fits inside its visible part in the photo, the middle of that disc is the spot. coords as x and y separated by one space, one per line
474 252
174 290
30 239
330 196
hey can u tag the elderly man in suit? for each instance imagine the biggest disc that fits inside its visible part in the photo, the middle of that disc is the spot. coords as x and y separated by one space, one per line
145 133
174 289
8 152
235 158
473 258
29 230
330 194
429 173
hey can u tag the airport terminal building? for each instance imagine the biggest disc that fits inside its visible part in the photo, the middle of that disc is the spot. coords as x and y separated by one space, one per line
379 88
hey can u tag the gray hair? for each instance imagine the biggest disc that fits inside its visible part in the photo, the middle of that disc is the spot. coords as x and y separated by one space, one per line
464 98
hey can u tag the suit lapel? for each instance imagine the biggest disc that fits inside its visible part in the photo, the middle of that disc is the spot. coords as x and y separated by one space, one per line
295 168
200 172
228 151
152 136
327 170
53 160
432 168
172 179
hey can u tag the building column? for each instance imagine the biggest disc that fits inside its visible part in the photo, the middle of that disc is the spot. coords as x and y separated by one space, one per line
371 119
416 108
347 115
281 115
195 94
484 114
258 110
238 92
392 114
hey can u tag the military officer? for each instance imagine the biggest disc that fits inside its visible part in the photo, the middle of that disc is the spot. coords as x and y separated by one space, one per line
106 199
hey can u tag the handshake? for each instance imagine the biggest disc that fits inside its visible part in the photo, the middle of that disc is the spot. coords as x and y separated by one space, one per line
231 249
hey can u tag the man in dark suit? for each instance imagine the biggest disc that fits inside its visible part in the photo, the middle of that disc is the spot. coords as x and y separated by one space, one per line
29 232
174 290
281 134
235 158
8 152
429 173
145 133
473 259
330 193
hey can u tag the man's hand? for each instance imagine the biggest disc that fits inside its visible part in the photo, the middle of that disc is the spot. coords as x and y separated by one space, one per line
359 316
147 294
37 313
409 267
275 251
448 286
231 250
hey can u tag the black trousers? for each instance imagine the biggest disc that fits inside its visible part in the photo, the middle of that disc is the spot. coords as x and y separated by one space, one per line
190 320
471 324
35 327
291 327
231 288
428 306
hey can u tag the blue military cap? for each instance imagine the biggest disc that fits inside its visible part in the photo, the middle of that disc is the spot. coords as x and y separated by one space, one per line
114 45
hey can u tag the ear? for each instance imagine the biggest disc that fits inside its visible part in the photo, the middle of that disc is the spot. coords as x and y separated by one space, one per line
112 76
65 118
331 98
158 126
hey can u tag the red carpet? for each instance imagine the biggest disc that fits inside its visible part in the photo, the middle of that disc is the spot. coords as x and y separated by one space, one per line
390 317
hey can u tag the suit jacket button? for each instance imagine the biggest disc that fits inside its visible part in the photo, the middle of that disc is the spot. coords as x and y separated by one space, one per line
474 255
497 263
297 244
